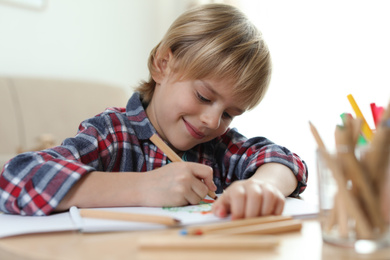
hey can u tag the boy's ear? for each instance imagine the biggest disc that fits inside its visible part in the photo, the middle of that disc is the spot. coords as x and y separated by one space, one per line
161 65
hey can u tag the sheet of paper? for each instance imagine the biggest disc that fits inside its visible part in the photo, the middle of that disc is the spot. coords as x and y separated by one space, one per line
11 225
299 208
188 215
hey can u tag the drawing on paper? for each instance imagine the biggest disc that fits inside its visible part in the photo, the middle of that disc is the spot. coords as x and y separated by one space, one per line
204 207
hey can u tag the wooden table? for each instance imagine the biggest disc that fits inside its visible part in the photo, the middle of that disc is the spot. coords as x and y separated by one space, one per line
306 244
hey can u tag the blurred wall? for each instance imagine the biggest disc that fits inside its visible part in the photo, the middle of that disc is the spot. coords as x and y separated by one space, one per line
107 41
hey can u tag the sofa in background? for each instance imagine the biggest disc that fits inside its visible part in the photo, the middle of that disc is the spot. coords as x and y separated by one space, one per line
42 112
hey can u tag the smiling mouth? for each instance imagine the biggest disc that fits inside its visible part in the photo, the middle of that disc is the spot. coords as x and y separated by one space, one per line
193 131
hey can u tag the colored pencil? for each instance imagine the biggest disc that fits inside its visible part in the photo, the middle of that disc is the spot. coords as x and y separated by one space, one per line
259 229
317 136
358 138
366 130
171 242
197 230
362 185
377 112
133 217
376 159
172 155
351 203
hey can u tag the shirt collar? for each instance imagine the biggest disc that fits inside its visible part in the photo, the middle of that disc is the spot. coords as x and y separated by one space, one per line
139 121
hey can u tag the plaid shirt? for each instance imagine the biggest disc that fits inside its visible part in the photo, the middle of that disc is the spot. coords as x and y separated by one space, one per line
33 183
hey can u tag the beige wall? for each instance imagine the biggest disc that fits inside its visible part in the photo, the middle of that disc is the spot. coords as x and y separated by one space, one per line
31 108
67 43
106 41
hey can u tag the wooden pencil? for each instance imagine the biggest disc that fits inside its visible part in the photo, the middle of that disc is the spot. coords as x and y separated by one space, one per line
376 159
352 169
133 217
165 148
353 208
260 229
317 136
366 130
196 230
341 215
170 242
360 179
172 155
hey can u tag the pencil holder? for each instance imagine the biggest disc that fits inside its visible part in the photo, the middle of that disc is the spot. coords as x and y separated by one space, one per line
354 198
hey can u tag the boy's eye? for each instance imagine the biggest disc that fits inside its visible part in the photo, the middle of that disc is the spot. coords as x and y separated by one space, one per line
227 115
202 98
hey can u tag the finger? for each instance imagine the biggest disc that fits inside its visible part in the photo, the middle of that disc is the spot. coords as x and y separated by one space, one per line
269 201
192 197
200 188
268 204
254 201
221 207
196 191
272 197
205 173
280 206
237 202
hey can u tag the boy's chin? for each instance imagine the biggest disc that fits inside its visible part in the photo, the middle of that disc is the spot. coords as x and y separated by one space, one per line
183 146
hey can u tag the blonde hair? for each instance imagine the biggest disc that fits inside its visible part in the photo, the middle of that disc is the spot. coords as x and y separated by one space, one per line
216 41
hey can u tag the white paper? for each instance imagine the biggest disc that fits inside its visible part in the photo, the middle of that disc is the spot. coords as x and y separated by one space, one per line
11 225
187 215
300 208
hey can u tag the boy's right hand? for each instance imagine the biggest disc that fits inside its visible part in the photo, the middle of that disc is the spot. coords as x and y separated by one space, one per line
178 184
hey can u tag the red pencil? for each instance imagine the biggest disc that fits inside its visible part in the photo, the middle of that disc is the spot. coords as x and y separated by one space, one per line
377 112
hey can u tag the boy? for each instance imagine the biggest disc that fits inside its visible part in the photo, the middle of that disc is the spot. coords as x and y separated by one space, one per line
211 66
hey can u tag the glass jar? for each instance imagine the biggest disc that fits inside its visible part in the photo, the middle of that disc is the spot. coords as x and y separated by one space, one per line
354 202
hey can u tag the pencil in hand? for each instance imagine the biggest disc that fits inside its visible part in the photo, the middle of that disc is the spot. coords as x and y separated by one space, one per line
172 156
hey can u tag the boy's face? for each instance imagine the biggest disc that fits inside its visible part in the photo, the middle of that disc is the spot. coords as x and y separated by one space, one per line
189 112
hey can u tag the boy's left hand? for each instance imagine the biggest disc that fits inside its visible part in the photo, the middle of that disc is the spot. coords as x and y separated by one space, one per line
249 198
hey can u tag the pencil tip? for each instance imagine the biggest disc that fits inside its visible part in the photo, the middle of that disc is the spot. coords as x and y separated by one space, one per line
183 232
198 232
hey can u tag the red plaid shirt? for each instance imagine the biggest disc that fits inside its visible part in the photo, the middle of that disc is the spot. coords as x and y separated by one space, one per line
33 183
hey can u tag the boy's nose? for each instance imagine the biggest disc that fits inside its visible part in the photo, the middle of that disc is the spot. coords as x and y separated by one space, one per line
211 118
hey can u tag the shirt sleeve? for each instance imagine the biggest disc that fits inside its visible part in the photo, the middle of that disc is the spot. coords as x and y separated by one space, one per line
242 157
34 183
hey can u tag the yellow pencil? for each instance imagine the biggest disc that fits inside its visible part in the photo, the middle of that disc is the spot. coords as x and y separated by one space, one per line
366 130
172 155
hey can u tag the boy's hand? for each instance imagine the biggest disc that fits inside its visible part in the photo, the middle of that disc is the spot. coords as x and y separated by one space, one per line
249 198
179 183
262 194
